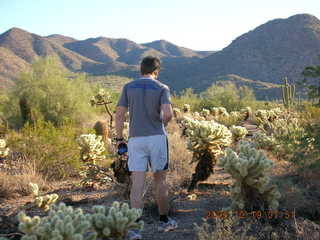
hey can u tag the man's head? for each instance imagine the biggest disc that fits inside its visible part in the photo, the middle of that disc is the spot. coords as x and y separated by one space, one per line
150 65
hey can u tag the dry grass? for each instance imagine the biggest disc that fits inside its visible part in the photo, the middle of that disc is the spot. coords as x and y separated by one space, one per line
180 158
16 185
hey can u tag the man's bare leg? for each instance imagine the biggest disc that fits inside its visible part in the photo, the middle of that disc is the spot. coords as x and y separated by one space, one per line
138 182
161 191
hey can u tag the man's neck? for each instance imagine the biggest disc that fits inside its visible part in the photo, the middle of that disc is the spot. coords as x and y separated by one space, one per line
149 76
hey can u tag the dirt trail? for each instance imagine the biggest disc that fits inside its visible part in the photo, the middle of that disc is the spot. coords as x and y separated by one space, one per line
211 195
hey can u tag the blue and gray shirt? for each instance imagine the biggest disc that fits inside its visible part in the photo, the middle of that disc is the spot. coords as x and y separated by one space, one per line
143 97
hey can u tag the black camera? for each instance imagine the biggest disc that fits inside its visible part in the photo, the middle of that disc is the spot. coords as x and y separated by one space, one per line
122 148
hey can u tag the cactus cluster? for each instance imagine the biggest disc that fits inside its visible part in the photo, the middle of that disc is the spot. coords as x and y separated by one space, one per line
67 223
238 132
288 93
219 111
205 113
266 116
287 127
44 202
4 150
91 148
62 223
262 141
207 140
116 224
252 189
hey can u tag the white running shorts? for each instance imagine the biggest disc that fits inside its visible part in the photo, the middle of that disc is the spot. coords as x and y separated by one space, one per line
148 149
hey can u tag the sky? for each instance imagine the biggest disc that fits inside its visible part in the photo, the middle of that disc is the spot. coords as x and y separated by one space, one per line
195 24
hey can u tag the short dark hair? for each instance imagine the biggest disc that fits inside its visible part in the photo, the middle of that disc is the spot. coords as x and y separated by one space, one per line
149 65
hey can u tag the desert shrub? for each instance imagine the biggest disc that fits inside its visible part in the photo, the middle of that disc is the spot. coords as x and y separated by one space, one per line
225 229
228 96
180 159
12 186
252 189
46 91
53 150
312 112
307 152
187 96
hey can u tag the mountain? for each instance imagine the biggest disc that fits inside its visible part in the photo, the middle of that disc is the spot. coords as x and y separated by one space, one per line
278 48
260 58
60 39
170 49
97 56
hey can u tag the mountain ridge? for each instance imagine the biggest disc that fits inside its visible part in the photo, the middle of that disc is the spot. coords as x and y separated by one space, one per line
276 49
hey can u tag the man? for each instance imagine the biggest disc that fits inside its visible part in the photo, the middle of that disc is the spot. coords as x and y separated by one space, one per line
150 111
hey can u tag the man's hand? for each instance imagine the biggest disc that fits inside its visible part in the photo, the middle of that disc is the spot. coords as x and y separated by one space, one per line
167 113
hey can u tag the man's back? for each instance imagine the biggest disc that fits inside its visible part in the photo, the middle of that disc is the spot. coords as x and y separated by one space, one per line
144 97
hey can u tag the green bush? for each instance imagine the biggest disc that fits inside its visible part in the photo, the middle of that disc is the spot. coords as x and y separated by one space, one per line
229 96
53 150
46 91
187 96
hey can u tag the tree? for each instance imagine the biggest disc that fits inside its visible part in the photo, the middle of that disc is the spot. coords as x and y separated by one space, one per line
47 91
314 86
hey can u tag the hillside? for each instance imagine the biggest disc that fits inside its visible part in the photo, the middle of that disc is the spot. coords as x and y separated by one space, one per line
278 48
97 56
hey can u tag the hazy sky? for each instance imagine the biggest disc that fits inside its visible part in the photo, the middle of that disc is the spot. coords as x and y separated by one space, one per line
196 24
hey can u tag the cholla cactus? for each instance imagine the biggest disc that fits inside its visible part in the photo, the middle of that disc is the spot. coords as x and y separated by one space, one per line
223 111
197 116
267 116
252 189
45 202
62 223
238 132
235 114
205 112
207 140
117 222
101 98
91 148
262 141
186 108
176 112
246 113
4 150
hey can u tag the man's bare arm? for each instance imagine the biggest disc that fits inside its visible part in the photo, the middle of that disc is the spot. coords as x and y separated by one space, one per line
167 113
120 118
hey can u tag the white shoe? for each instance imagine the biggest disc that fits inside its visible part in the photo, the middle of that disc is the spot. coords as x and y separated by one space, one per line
167 226
134 235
